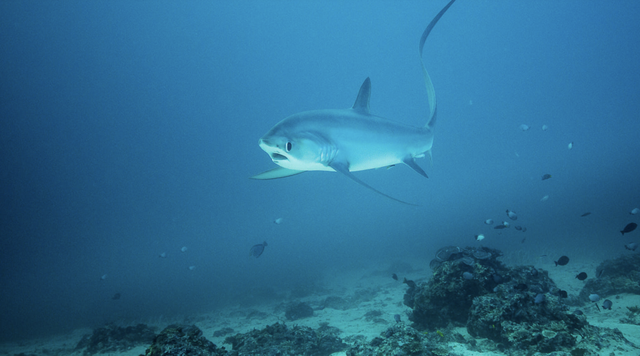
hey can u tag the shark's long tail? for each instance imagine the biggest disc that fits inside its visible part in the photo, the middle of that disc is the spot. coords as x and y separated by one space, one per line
431 93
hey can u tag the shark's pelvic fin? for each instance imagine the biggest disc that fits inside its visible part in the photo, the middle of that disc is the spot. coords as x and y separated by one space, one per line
411 162
431 92
344 169
277 172
364 95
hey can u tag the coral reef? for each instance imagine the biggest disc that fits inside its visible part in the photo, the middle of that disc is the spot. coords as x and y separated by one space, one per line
112 338
448 296
179 340
519 310
278 339
619 275
402 339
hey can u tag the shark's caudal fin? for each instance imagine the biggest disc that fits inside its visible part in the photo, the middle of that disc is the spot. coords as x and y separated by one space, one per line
431 93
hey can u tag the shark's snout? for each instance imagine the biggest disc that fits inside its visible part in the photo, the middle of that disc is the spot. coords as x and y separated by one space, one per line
273 150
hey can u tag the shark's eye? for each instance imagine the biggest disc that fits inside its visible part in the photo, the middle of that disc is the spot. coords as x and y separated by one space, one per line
287 146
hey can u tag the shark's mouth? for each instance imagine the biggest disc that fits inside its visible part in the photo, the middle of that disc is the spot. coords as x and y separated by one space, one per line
278 157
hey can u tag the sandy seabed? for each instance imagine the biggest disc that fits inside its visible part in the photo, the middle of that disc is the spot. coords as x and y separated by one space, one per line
387 299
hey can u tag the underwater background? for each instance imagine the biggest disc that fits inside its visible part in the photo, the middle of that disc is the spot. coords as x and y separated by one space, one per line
130 129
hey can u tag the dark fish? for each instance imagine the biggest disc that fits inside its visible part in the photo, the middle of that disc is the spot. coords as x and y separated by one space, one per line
257 250
497 278
116 296
632 246
521 287
607 304
394 276
578 312
523 240
410 283
585 214
581 276
630 227
518 227
500 227
563 294
397 318
540 298
562 261
546 176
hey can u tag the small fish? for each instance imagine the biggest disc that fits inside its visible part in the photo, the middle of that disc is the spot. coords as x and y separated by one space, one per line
634 211
116 296
578 312
599 273
631 247
563 293
163 255
581 276
607 304
518 227
630 227
500 227
256 250
562 261
524 229
104 276
184 249
540 298
191 268
396 317
467 275
594 297
488 221
524 127
479 237
585 214
570 145
277 221
523 240
497 278
546 176
512 215
544 127
394 276
545 198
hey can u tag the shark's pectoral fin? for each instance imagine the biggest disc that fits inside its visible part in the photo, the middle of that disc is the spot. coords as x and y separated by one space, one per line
344 169
411 162
277 172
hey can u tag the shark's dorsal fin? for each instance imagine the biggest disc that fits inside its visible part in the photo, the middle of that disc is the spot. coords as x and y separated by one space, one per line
362 101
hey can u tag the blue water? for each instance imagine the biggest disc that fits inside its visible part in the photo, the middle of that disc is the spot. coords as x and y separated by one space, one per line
130 129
